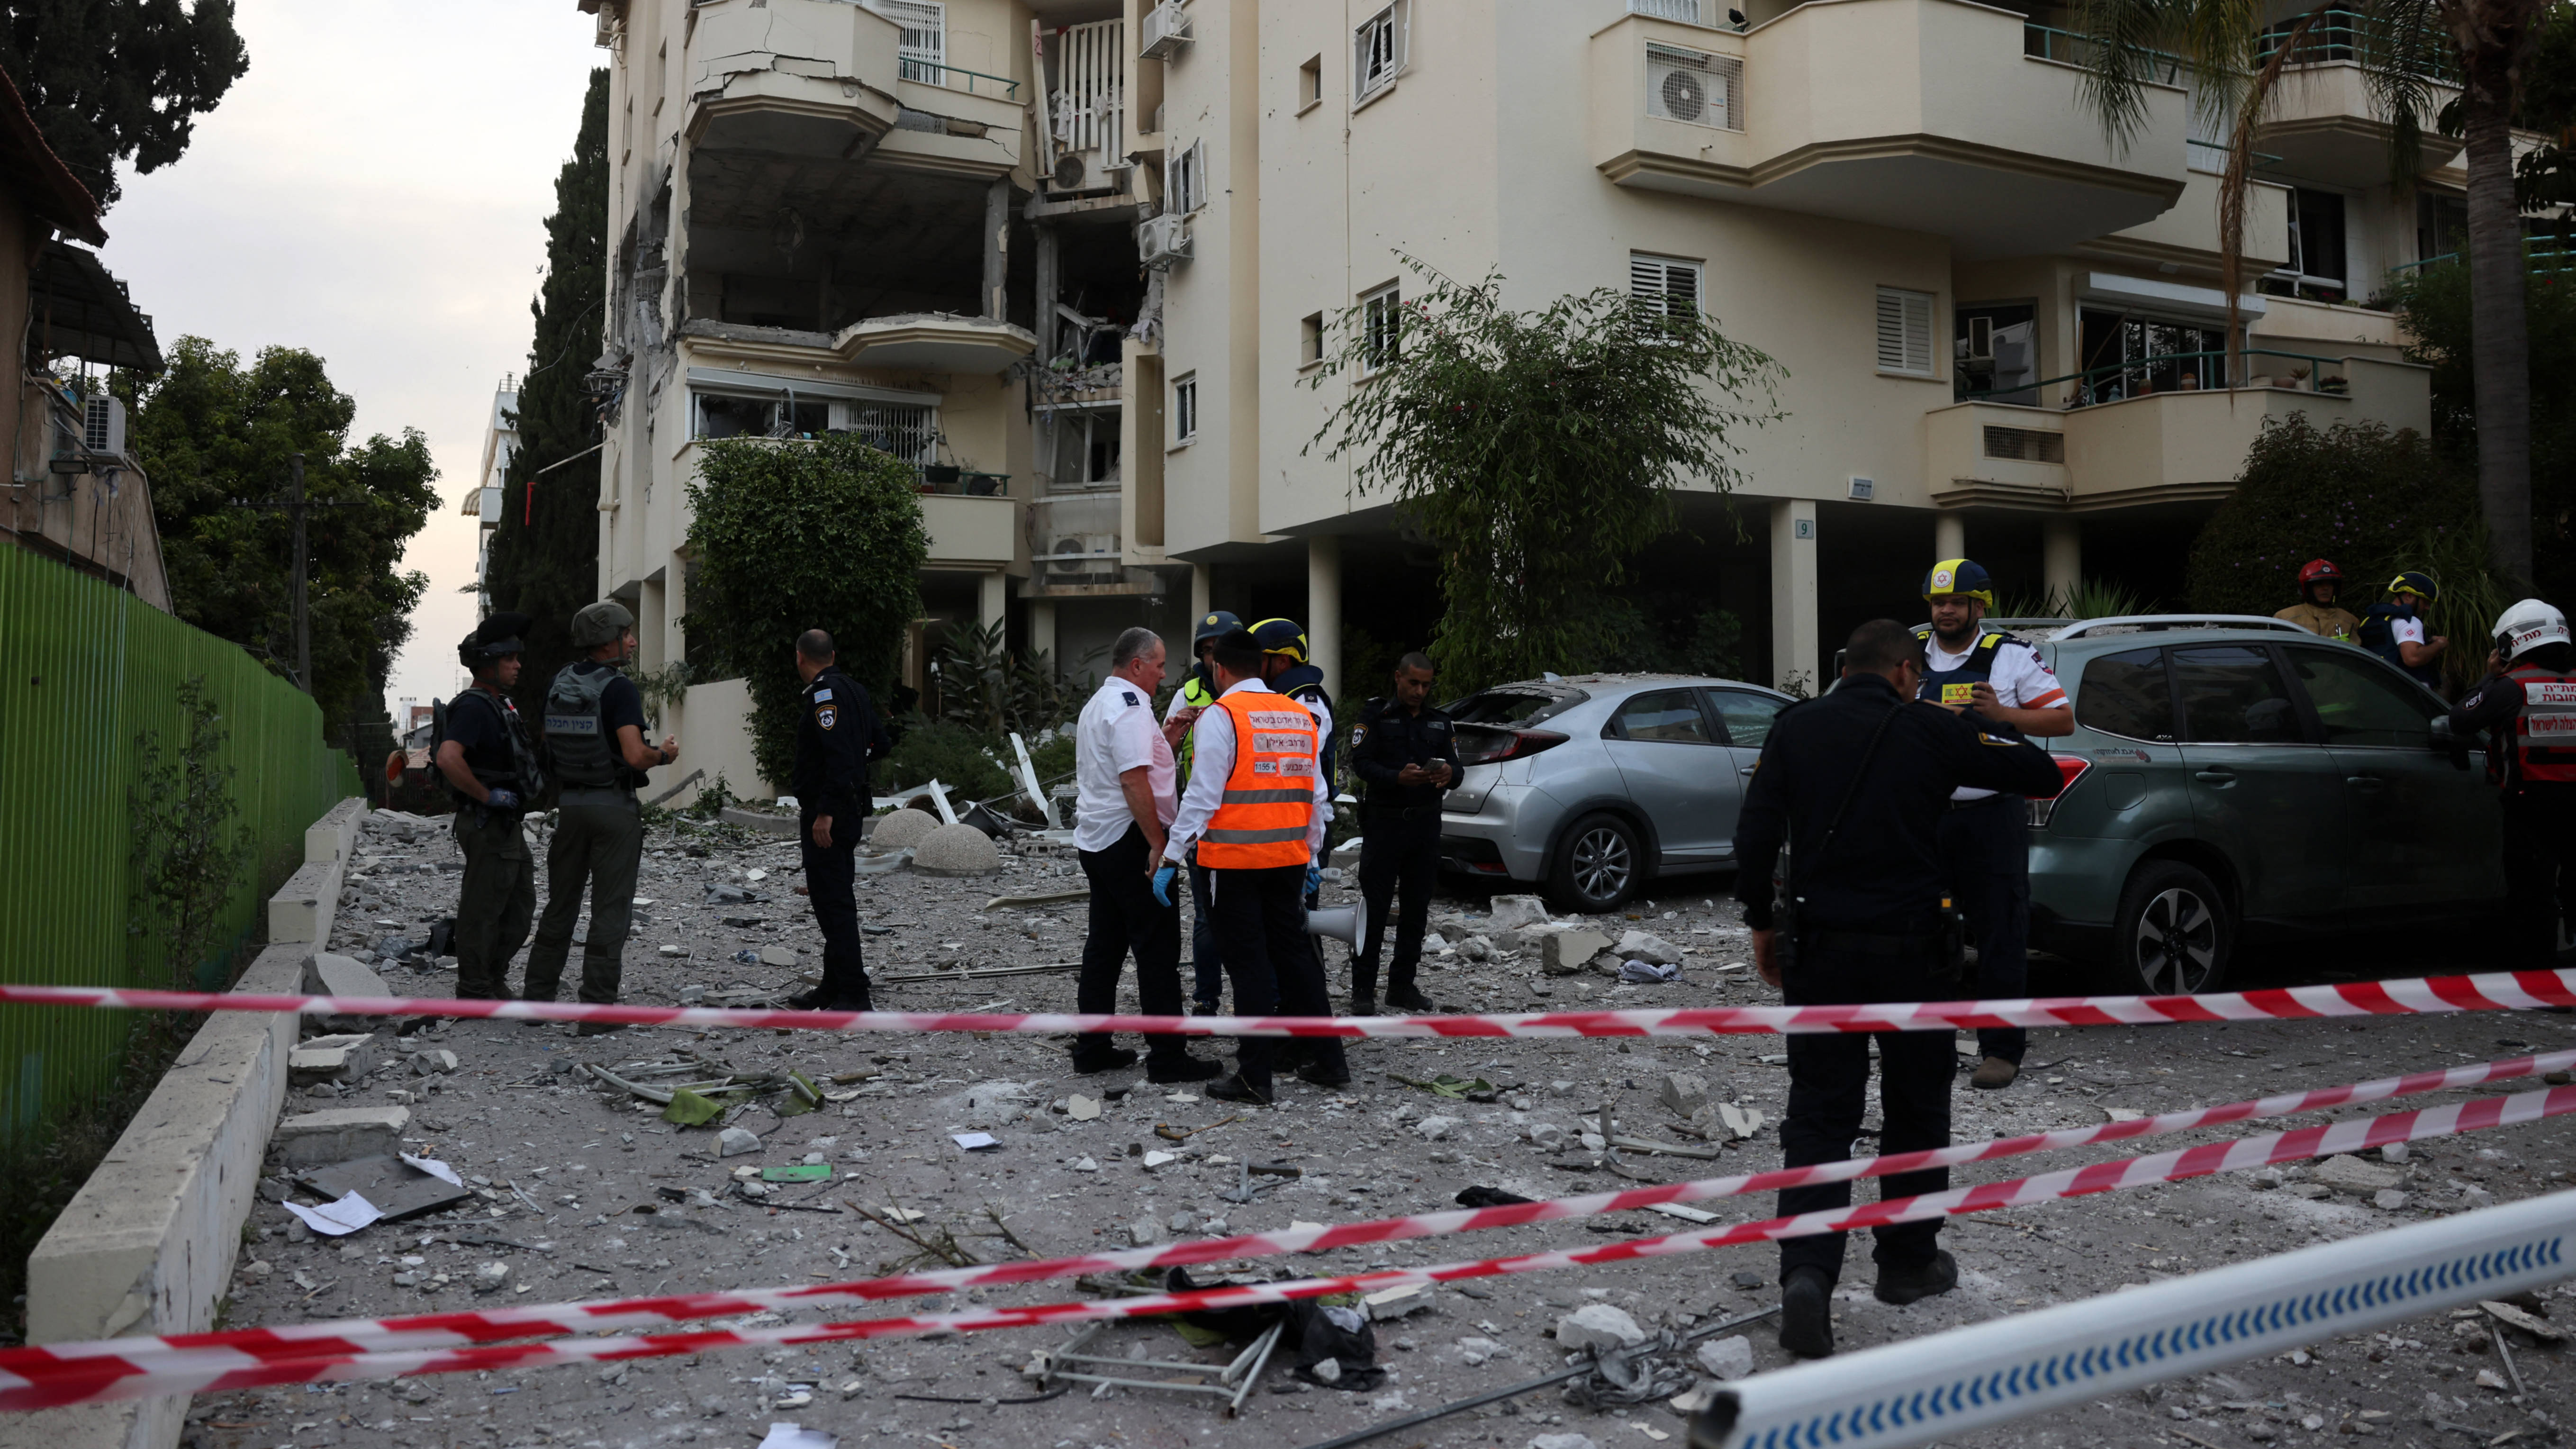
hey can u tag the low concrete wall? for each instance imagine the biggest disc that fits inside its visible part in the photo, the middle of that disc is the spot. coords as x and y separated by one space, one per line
149 1243
713 721
303 908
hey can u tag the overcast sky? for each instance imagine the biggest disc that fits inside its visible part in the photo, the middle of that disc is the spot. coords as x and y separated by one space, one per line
375 190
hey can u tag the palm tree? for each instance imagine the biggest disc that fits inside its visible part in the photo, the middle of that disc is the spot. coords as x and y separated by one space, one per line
2231 56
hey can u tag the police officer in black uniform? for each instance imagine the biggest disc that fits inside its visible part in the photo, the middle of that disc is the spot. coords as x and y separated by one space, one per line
1855 784
837 735
492 774
1406 753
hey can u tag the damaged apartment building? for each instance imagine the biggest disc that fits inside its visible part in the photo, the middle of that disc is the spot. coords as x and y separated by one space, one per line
1076 261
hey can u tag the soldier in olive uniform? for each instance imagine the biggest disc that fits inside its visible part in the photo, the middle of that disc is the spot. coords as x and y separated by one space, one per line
492 775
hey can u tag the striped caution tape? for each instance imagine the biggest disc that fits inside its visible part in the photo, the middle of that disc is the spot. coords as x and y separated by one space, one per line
2492 991
446 1330
61 1374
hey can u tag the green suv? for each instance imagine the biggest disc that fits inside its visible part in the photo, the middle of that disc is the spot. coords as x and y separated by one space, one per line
2230 775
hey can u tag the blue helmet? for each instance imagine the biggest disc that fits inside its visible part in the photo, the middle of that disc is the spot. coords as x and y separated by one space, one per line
1213 626
1963 577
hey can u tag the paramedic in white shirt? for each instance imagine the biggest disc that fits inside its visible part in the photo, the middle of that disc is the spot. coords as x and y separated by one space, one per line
1984 840
1124 803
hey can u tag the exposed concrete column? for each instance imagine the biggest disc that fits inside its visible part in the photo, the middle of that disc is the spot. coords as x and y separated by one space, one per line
1044 313
997 246
1042 632
1949 535
1201 590
993 600
1796 649
1324 607
2061 555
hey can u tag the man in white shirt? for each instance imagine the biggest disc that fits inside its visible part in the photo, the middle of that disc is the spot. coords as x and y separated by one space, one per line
1255 811
1985 839
1124 801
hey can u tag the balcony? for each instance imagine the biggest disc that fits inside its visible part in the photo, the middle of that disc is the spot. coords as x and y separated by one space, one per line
802 78
1922 114
2144 433
2187 235
935 342
2326 126
970 531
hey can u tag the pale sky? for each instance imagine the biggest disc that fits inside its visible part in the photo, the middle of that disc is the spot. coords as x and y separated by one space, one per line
376 190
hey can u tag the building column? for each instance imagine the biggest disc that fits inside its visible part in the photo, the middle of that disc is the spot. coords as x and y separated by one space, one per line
2061 556
993 599
997 247
1201 590
1949 535
1042 632
1796 649
652 636
1324 607
1044 312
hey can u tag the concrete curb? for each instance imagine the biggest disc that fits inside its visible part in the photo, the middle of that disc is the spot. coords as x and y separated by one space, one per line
149 1243
303 909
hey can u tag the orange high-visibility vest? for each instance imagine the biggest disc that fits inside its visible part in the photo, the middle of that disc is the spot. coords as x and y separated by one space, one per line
1269 802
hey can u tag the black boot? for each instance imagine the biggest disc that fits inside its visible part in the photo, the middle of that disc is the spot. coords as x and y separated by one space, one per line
1806 1313
1363 1004
1924 1280
1406 996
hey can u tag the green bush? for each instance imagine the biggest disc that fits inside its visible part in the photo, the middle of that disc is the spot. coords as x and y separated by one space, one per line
953 755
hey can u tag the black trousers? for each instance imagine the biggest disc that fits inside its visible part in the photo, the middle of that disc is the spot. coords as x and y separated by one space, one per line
2539 870
830 883
1125 917
1829 1089
1398 853
1261 929
1985 852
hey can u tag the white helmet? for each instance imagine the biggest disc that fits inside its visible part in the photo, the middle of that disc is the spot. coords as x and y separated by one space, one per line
2526 626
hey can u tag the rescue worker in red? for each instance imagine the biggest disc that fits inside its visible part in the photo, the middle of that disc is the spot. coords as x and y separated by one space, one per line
2528 705
1254 810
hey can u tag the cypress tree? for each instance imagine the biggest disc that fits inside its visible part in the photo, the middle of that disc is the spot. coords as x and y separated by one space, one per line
545 555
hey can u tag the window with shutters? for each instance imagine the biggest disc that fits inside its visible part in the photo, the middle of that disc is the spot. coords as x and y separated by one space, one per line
922 49
1310 340
1185 184
1694 86
1662 287
1905 331
1381 328
1185 408
1378 51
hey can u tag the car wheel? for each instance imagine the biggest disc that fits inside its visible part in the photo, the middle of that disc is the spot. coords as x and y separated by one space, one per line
1599 865
2174 932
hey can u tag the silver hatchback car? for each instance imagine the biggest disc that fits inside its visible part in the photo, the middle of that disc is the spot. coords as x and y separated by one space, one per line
1590 785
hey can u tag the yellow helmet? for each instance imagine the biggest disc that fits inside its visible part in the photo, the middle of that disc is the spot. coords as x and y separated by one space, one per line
1959 577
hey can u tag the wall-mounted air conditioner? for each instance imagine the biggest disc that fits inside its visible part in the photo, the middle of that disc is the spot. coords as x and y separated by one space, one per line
103 424
1163 240
1166 29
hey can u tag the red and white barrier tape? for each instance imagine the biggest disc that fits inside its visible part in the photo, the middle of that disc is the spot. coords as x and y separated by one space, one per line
2492 991
60 1374
447 1330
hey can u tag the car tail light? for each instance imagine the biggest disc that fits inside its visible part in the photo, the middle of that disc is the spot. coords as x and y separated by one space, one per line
2070 768
1493 746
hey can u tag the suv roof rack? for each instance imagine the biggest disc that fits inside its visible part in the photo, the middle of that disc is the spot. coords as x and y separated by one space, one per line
2158 623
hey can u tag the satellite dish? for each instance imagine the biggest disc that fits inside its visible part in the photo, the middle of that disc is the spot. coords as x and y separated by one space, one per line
1685 95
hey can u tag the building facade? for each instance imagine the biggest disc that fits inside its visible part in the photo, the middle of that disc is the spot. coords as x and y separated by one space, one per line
485 501
1073 258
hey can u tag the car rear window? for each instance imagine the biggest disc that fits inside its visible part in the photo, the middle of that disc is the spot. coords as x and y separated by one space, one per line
2126 694
1513 708
2233 694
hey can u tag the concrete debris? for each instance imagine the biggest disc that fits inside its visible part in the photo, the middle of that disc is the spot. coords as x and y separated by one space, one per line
1510 913
1643 946
2490 1379
674 952
1144 1232
1683 1093
1476 948
1081 1108
1547 1136
436 1062
491 1277
734 1141
347 1057
2390 1199
312 1139
1726 1358
777 955
2395 1153
2524 1320
2353 1175
1478 1350
902 830
956 850
1599 1326
1433 1129
1397 1302
1563 1441
1566 953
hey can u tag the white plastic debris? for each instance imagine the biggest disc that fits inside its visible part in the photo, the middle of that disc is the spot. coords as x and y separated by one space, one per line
337 1219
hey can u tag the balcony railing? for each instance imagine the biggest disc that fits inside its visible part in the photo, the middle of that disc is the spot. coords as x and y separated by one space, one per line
1715 14
957 78
2345 35
948 478
2169 372
2541 256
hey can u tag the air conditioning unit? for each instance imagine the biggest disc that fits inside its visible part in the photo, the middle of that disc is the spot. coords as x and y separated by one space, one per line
1692 86
1163 240
103 424
1080 552
1166 29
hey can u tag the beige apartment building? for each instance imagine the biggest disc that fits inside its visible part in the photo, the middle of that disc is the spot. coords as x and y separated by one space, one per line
1071 257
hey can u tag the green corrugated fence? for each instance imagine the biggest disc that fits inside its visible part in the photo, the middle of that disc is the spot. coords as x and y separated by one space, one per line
85 668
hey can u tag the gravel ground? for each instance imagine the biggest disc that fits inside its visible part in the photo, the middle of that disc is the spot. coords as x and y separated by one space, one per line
562 1166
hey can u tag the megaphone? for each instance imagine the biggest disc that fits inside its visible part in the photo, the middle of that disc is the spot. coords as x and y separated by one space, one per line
1346 924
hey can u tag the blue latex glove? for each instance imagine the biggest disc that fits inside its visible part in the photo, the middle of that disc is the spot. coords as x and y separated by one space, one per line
1314 877
1163 882
504 801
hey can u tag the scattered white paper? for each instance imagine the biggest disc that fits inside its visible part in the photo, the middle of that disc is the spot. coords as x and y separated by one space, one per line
974 1141
790 1436
1157 1159
337 1219
434 1168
